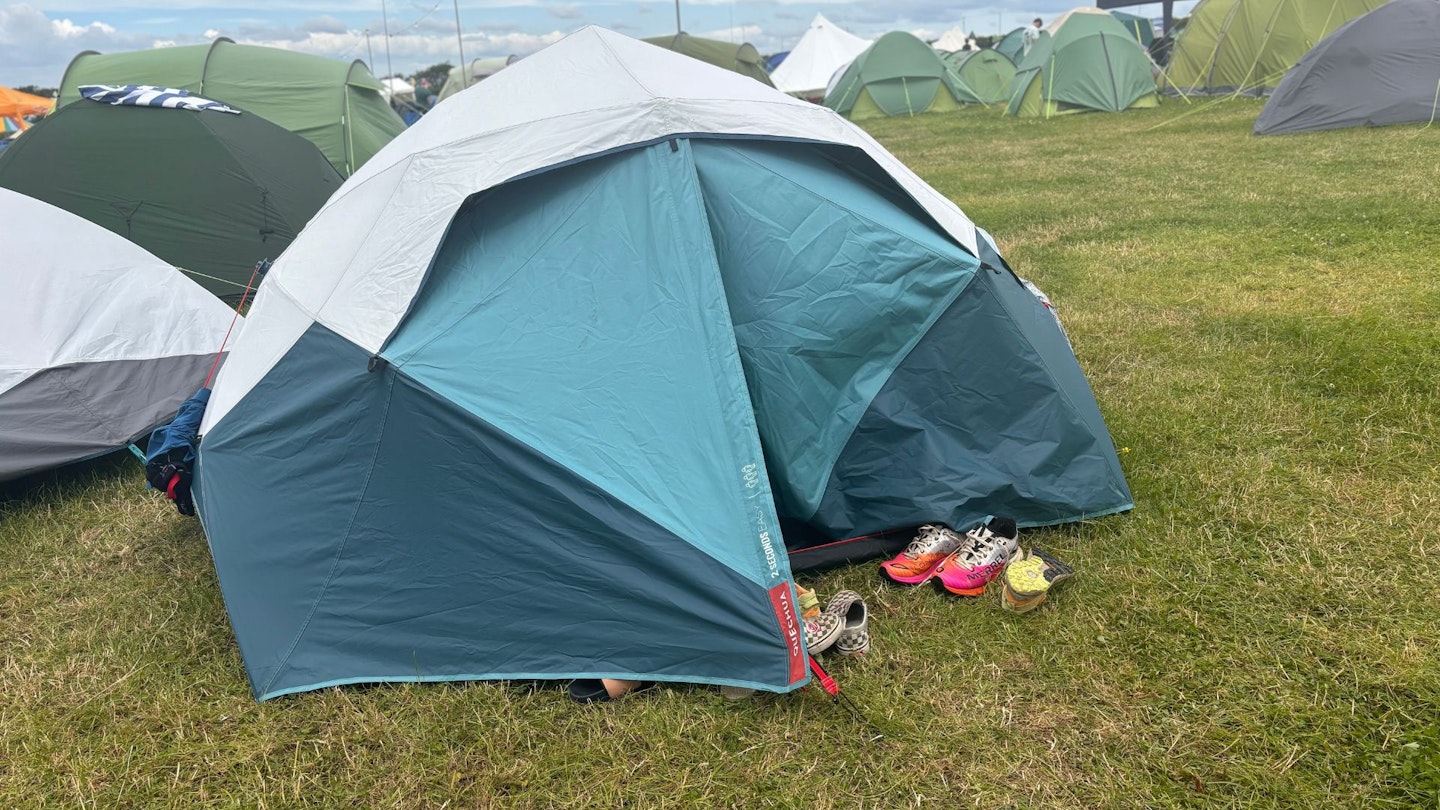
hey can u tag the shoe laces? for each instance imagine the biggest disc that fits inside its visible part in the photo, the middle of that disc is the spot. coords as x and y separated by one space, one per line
982 542
927 537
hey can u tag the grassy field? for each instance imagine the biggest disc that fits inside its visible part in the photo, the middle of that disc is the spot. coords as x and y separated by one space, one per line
1258 318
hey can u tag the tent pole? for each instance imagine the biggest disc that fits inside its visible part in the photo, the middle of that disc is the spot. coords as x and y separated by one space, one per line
677 17
460 41
385 20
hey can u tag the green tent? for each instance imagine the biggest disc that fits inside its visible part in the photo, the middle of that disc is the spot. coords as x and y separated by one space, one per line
1087 62
984 76
1012 44
335 105
210 192
1139 27
898 75
1246 46
742 58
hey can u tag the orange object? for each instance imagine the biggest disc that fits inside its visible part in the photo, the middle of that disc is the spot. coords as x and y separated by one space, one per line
16 105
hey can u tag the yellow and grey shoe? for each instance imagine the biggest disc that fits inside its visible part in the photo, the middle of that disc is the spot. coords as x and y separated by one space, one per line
809 602
1028 580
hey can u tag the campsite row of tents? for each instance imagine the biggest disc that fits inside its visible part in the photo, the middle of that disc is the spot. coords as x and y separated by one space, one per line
1085 60
1343 63
382 482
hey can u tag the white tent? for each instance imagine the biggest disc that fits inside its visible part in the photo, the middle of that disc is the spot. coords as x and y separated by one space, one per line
824 49
952 40
397 89
99 340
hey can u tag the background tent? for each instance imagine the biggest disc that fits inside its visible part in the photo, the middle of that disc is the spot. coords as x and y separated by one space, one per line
1086 62
395 89
898 75
983 76
338 106
773 61
15 105
742 58
211 192
1246 46
1012 44
1139 27
480 69
736 246
824 49
99 340
952 40
1380 68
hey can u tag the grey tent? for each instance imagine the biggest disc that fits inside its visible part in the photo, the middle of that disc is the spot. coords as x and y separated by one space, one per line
1380 68
99 340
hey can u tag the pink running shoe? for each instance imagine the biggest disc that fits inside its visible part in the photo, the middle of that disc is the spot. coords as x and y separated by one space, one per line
988 548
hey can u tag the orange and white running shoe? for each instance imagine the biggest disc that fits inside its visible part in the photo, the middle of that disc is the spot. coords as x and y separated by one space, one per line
917 563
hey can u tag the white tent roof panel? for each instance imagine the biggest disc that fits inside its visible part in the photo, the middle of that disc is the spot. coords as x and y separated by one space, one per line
360 262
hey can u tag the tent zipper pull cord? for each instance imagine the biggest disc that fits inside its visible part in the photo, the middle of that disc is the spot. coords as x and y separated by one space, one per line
843 700
263 263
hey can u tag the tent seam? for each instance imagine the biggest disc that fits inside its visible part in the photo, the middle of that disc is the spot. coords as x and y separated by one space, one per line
340 552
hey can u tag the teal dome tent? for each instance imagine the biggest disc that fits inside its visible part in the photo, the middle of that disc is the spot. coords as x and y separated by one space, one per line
502 366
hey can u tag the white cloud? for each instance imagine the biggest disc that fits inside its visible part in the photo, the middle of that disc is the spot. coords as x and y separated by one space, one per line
37 48
69 30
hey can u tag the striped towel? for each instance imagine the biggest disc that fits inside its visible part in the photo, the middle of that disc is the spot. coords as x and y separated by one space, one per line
145 95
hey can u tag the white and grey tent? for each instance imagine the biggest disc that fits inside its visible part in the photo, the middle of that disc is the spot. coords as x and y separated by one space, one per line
1378 69
825 49
99 340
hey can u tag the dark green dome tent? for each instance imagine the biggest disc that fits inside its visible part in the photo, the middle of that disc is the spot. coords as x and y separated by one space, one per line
984 76
1380 68
338 106
1083 62
210 192
898 75
1246 46
742 58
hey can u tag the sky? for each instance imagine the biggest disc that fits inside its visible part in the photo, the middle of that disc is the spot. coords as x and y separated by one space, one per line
38 39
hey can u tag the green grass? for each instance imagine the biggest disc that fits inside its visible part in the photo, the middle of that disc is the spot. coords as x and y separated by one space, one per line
1258 320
